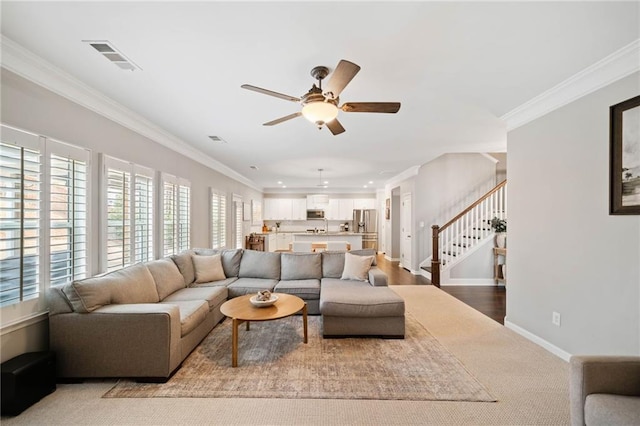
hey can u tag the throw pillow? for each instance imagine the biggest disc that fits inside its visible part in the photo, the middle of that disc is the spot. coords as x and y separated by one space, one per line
208 268
356 267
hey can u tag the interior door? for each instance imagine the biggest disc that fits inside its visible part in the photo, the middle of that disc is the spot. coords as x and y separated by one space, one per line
405 231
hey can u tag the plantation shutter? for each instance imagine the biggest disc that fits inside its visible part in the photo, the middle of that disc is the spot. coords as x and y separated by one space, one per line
20 214
118 219
218 219
237 219
143 217
68 215
176 208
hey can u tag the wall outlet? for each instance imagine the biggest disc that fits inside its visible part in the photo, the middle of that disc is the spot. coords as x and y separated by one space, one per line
555 319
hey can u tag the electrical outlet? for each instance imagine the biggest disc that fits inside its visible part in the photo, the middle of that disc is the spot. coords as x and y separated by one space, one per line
555 319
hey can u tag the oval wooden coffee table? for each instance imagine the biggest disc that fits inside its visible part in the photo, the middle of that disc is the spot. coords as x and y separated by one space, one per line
240 310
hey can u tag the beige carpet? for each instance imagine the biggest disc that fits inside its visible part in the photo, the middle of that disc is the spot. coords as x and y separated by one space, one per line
530 384
274 363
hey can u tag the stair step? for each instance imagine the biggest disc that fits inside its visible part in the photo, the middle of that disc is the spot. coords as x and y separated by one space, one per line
426 268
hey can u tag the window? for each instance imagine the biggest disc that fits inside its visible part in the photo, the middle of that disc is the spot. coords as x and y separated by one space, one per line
128 214
68 219
218 219
118 219
41 181
237 220
176 211
20 198
143 218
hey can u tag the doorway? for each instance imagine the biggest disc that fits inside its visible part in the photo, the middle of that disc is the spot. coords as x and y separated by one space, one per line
405 231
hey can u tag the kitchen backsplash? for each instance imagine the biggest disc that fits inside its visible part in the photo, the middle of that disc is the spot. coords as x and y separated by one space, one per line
303 225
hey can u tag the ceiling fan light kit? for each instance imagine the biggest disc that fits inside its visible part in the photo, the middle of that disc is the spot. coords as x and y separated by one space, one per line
321 107
320 113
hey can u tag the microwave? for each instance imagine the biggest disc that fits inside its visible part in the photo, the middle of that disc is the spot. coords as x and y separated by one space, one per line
315 214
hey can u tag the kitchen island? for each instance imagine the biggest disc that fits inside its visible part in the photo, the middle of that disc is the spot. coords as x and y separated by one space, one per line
352 238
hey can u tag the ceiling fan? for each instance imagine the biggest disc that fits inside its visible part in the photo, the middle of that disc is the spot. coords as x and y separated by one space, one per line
320 106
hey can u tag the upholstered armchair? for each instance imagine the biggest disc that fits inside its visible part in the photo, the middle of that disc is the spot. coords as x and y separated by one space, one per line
605 390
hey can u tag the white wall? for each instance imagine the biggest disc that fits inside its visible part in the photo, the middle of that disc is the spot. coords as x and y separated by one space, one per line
33 108
444 187
566 253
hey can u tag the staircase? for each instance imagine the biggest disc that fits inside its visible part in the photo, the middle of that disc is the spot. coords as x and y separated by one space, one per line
465 233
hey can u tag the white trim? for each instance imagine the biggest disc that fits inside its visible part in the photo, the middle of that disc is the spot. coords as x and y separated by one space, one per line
26 64
491 158
24 322
409 173
470 282
391 259
538 341
619 64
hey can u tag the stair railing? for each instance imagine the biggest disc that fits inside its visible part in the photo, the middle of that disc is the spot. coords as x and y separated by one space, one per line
472 223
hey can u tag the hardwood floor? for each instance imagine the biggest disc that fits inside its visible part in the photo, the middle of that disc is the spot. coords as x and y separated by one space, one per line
490 300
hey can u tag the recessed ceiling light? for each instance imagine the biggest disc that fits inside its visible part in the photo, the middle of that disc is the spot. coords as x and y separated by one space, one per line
370 182
279 182
364 186
284 186
326 182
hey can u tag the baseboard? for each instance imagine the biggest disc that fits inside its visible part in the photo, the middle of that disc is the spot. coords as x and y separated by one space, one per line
409 269
470 282
538 341
391 259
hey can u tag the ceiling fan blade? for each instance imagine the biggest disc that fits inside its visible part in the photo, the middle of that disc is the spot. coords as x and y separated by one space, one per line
281 119
270 93
335 127
389 107
343 74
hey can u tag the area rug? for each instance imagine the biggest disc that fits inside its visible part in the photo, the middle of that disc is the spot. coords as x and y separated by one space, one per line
273 362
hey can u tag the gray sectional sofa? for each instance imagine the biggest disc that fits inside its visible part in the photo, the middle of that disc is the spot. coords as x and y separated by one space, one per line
142 321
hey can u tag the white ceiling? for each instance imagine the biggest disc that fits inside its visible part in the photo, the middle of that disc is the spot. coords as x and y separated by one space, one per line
455 67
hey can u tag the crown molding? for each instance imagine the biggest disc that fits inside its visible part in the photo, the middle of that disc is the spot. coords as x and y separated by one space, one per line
407 174
26 64
619 64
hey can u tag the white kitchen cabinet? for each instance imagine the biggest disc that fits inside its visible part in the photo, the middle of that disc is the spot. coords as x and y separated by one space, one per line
285 208
340 209
270 243
317 201
299 209
270 209
364 203
281 209
283 240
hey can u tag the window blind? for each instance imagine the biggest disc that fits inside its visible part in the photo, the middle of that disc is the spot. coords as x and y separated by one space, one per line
20 197
68 219
218 219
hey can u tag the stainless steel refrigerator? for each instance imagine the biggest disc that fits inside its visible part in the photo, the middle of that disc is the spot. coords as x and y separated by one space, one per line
365 221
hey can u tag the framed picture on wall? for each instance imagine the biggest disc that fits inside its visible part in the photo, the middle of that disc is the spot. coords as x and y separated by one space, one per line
387 209
624 157
246 212
256 212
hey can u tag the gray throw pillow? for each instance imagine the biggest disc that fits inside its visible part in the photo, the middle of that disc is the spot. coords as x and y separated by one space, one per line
301 266
260 264
332 264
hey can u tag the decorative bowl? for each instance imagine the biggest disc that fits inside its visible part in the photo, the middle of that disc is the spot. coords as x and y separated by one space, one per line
263 303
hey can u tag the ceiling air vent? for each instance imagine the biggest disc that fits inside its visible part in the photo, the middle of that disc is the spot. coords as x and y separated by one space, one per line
217 139
108 50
